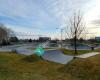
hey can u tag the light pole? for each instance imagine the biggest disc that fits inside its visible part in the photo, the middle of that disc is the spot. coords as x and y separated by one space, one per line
61 34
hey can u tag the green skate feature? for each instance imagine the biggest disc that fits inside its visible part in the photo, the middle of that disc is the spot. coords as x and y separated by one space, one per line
39 51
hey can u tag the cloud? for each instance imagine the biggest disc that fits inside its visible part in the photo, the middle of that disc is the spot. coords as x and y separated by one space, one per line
24 13
96 22
61 9
43 12
41 16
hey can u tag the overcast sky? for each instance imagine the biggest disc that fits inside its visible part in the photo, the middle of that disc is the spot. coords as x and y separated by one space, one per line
44 16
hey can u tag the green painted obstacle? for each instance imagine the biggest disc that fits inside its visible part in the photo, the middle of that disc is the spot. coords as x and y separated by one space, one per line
39 50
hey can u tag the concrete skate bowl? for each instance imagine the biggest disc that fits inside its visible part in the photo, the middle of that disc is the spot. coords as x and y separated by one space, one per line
24 50
80 47
9 48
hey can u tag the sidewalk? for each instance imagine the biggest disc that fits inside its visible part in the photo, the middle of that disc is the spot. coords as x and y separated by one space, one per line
87 55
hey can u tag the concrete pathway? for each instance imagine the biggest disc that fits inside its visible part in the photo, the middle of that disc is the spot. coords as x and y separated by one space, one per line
57 56
87 55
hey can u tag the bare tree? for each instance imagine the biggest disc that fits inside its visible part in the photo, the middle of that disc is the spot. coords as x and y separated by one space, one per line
76 28
4 32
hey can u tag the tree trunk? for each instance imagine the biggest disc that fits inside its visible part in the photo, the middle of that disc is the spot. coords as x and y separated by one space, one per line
75 45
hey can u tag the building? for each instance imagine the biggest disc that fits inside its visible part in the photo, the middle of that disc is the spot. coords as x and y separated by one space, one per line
42 39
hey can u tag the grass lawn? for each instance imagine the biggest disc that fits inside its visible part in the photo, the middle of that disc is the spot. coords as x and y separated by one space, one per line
71 52
19 67
83 69
97 50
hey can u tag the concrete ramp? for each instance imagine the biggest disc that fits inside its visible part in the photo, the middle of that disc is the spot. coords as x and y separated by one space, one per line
57 56
25 52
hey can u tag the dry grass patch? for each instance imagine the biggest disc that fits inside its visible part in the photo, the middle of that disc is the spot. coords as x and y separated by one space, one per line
84 69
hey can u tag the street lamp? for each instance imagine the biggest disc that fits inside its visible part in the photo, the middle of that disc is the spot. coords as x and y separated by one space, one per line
61 34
